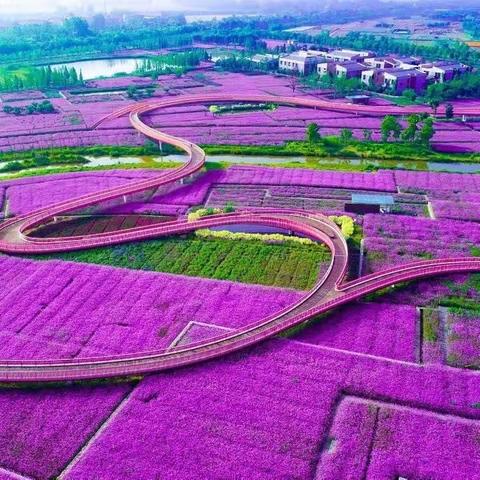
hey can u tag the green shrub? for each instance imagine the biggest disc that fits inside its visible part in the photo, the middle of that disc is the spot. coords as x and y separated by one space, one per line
346 224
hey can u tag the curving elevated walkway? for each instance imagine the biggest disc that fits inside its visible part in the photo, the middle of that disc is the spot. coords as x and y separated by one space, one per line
329 292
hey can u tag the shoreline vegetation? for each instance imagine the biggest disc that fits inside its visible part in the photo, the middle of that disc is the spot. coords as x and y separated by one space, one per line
332 147
72 159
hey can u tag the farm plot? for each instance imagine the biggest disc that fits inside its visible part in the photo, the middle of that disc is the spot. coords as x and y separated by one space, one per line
253 261
69 310
268 415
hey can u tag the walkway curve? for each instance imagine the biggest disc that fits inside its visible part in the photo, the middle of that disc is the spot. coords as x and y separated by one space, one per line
329 292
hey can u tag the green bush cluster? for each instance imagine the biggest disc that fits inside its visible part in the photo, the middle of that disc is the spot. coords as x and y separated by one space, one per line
43 107
431 324
346 224
42 160
263 237
243 107
203 212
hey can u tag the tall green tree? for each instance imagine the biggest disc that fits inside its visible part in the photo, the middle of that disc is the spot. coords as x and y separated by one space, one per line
410 133
346 136
427 131
313 133
390 127
77 26
449 112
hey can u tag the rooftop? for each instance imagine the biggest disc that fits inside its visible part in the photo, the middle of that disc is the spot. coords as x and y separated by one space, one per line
299 56
349 52
372 199
353 66
400 73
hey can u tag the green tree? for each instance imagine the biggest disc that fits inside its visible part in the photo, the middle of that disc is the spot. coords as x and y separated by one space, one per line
410 94
132 91
427 131
390 127
77 26
449 112
229 207
344 86
346 136
434 104
313 133
410 133
367 135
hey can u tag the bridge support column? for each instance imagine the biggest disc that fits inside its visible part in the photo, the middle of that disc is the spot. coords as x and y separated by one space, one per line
124 199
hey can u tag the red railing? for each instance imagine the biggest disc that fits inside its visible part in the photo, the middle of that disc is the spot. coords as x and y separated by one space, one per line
13 239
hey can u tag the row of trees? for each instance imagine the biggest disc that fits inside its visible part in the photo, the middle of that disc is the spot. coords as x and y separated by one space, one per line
176 62
419 129
40 77
236 63
75 37
313 134
465 86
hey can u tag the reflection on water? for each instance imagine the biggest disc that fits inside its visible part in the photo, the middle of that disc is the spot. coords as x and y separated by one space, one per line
326 162
107 67
317 162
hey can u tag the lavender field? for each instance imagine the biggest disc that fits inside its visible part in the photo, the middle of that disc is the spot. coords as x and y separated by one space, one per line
239 241
383 388
74 116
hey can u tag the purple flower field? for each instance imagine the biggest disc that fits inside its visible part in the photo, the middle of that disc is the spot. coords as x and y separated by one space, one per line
76 113
267 414
372 390
70 310
385 330
391 240
42 430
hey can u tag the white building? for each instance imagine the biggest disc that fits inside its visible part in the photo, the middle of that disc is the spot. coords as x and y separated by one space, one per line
348 55
302 62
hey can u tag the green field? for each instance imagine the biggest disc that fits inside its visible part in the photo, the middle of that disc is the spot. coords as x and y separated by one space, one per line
285 265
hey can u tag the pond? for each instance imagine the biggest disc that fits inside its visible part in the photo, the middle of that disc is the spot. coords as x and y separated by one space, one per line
106 67
317 162
454 167
326 162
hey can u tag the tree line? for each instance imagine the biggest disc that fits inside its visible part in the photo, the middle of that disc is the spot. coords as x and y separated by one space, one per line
419 129
173 62
40 77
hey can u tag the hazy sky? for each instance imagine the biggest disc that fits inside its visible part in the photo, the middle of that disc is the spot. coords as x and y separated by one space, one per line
51 6
48 7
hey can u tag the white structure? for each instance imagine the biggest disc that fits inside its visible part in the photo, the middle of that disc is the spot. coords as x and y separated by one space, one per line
348 55
440 72
302 62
